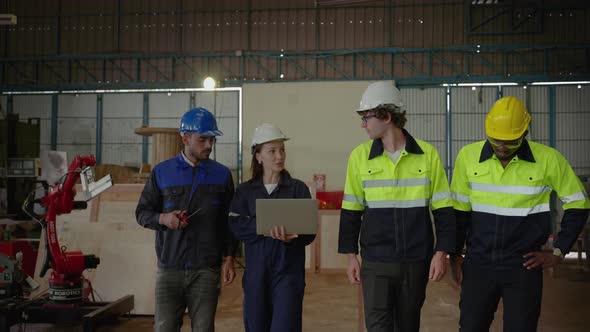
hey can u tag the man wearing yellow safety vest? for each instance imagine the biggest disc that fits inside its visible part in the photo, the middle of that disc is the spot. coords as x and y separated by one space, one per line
501 188
392 183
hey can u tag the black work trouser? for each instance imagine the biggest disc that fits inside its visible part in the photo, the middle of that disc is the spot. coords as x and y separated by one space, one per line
520 289
393 294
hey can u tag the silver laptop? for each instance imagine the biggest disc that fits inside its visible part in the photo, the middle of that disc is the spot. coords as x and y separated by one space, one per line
299 216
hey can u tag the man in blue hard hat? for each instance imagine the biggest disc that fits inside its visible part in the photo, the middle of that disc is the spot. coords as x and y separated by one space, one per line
186 201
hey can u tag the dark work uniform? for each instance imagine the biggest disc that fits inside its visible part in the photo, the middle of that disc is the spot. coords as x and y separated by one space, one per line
274 279
189 259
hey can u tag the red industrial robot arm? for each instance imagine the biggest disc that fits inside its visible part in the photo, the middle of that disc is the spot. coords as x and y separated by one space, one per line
60 200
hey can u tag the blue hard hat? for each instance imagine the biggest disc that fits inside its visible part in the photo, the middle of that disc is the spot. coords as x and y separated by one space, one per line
200 121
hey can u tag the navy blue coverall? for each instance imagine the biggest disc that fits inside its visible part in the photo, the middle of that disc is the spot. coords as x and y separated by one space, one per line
189 259
274 279
208 189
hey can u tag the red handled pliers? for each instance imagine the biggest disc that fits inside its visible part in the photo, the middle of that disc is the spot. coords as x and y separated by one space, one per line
184 218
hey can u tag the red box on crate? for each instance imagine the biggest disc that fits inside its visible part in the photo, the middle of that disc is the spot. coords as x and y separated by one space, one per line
330 199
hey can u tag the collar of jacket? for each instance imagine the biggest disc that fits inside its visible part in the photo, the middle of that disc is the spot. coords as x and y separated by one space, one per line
411 146
523 153
284 180
202 164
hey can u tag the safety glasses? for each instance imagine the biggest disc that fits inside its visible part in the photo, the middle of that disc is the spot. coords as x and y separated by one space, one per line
514 144
366 118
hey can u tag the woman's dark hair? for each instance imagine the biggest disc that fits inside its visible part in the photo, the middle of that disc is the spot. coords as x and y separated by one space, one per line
256 169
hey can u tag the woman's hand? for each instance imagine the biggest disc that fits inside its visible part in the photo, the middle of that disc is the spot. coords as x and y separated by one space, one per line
279 233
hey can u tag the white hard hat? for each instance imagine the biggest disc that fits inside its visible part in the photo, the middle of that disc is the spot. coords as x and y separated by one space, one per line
380 93
267 132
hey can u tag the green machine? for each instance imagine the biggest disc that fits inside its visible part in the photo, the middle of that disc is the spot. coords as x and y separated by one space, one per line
19 157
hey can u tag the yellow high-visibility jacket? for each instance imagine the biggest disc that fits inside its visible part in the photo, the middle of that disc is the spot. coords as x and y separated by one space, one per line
389 204
504 212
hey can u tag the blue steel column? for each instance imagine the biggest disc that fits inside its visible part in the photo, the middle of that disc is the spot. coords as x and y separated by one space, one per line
99 104
146 122
54 105
552 117
527 103
10 104
192 100
353 66
429 64
449 134
279 68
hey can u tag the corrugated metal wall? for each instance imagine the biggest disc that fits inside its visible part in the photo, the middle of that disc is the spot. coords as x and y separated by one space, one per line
572 118
67 27
165 111
83 27
76 124
226 108
427 113
468 110
121 114
536 100
37 106
426 109
573 126
559 24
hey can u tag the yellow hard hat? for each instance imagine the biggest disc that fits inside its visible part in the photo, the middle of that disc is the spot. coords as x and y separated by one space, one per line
508 119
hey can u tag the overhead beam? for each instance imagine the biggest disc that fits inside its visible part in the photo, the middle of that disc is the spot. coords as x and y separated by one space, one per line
461 63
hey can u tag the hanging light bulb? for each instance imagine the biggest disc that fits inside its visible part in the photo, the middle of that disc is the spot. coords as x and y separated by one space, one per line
209 83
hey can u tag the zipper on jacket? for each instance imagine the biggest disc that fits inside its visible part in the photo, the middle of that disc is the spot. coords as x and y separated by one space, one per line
190 195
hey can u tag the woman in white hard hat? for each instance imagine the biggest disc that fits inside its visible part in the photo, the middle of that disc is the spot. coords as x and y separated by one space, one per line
274 279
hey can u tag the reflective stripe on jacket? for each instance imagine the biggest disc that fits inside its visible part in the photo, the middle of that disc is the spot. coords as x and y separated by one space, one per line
505 212
394 202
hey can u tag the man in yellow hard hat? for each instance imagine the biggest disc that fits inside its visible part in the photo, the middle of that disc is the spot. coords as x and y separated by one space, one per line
501 188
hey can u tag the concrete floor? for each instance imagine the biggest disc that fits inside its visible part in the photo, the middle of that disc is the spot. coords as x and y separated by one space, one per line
330 304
